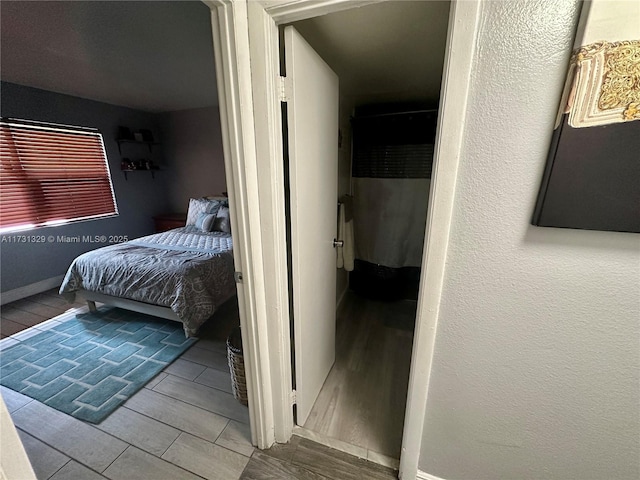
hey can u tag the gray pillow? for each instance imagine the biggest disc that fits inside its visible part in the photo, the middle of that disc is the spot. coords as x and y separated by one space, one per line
213 207
205 221
222 222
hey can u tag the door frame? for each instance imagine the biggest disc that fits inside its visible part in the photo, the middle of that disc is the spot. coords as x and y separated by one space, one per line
245 38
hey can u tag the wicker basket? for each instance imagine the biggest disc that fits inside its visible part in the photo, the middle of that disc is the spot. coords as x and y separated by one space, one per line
236 366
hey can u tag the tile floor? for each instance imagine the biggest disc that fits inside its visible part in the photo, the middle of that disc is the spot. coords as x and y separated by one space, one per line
184 424
362 402
22 314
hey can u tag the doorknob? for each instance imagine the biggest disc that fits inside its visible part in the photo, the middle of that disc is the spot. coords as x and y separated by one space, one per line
338 243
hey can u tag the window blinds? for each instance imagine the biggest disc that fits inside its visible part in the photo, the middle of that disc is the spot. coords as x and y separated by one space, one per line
398 145
52 174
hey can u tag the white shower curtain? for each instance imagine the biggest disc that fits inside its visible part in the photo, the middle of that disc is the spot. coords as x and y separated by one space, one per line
391 176
389 220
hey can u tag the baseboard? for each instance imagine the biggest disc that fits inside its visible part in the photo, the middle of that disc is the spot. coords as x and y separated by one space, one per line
426 476
29 290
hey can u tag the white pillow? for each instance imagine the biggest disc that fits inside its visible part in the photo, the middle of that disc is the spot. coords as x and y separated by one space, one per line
198 206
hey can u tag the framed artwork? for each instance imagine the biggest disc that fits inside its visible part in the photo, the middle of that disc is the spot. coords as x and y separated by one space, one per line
592 176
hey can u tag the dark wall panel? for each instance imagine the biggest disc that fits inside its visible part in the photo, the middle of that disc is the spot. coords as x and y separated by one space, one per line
592 179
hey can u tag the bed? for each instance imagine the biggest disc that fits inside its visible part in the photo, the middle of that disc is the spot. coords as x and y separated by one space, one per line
183 274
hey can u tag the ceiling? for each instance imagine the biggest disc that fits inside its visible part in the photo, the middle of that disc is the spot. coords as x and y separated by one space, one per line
157 56
153 56
391 51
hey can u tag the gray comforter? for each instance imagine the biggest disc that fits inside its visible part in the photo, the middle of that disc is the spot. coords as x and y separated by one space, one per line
185 269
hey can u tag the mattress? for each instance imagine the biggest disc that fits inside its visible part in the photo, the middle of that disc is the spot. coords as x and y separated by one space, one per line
185 269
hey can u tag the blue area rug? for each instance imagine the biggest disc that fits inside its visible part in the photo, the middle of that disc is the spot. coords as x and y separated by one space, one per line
90 364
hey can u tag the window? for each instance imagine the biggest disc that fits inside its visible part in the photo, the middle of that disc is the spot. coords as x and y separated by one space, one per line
52 174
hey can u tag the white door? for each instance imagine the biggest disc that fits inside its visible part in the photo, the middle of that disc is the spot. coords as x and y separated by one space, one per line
312 116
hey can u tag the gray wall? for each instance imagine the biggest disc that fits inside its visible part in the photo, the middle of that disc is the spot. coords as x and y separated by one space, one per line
138 199
536 366
192 146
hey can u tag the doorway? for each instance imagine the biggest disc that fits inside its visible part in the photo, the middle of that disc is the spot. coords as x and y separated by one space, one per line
361 406
389 100
247 77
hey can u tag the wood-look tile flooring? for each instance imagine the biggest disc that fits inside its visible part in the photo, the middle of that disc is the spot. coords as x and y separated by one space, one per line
362 402
184 424
22 314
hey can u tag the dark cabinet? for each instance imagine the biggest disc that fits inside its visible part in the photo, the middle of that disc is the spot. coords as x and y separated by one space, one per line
168 221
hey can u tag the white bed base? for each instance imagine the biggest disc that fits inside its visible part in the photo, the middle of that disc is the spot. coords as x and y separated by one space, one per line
140 307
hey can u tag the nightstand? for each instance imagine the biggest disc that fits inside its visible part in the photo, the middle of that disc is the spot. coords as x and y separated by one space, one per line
167 221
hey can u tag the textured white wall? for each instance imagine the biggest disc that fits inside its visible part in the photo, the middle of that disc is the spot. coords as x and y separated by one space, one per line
536 366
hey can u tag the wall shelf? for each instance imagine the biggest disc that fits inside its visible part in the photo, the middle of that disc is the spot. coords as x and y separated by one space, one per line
124 140
127 170
134 144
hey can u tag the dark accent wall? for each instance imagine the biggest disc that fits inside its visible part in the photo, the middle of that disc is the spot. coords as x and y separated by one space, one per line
194 159
139 198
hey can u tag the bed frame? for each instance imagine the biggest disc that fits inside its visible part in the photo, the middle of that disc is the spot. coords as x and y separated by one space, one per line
157 311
